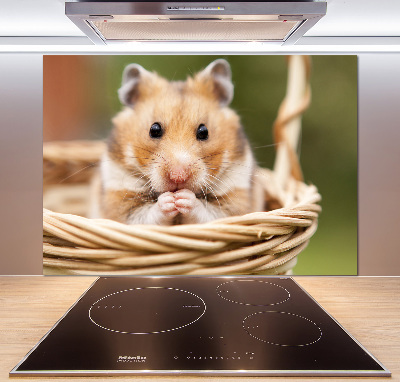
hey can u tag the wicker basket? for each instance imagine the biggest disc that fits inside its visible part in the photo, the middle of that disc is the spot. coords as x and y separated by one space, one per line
258 243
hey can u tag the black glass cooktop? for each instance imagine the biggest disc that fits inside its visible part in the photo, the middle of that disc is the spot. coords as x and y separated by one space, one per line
198 325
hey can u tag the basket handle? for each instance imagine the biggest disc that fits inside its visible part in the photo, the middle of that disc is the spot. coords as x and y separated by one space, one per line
287 126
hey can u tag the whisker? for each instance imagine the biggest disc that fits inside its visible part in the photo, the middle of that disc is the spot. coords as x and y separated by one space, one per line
148 182
238 164
221 181
223 193
266 146
212 191
151 152
211 155
235 172
77 172
145 158
205 196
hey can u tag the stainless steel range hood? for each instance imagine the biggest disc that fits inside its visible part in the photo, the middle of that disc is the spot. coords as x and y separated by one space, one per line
125 21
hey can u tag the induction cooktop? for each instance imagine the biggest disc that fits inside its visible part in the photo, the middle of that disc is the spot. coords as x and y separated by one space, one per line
251 326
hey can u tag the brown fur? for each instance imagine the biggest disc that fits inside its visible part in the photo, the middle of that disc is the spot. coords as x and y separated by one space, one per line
166 105
180 107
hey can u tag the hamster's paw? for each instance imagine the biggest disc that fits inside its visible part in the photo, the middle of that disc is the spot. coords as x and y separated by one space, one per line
185 201
166 203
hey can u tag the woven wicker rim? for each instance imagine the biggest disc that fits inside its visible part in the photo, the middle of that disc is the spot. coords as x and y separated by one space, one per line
267 240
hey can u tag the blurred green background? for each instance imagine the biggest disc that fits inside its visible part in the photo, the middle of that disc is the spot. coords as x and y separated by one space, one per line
84 89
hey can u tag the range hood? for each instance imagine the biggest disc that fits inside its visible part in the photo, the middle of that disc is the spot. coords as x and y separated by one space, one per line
279 22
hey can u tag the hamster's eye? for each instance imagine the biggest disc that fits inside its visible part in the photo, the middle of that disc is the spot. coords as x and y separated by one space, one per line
202 133
156 130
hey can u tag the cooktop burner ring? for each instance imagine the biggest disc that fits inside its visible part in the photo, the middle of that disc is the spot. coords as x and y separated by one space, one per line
194 304
267 328
284 295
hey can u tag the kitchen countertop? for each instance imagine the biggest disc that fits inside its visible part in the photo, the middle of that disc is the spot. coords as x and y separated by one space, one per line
367 307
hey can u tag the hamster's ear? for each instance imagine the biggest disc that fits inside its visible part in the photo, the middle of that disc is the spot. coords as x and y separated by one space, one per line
219 72
132 76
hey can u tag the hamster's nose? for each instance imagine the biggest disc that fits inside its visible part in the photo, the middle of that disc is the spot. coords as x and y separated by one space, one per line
179 174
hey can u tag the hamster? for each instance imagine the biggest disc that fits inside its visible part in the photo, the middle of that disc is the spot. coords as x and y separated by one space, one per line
177 153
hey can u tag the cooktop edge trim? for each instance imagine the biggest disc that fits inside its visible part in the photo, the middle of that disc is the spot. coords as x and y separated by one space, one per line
51 329
385 369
